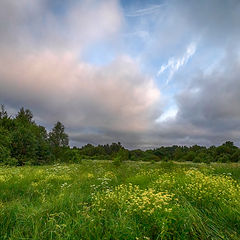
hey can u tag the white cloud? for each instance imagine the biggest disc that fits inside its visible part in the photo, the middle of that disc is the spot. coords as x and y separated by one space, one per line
174 64
168 115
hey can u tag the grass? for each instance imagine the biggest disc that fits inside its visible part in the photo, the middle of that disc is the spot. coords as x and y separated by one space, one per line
98 200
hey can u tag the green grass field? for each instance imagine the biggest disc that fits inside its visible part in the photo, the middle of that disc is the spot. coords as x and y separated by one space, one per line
98 200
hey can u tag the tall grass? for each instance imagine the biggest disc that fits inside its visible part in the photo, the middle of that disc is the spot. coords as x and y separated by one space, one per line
99 200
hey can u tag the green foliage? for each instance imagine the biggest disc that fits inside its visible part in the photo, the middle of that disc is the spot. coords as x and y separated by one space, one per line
101 151
208 159
5 154
57 137
148 156
71 156
223 158
136 155
24 145
25 117
190 156
43 151
5 141
179 154
96 200
121 156
23 142
197 159
236 156
117 162
58 140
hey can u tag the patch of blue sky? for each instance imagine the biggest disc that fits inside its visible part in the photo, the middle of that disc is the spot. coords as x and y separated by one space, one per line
135 42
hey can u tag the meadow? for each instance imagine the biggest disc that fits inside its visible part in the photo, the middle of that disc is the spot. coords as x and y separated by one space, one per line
138 201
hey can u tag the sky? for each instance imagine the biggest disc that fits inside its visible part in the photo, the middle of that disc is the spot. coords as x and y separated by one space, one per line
145 73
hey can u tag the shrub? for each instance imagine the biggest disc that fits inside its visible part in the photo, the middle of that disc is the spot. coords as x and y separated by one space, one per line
223 158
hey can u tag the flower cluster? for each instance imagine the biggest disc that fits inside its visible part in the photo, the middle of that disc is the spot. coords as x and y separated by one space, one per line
132 199
211 188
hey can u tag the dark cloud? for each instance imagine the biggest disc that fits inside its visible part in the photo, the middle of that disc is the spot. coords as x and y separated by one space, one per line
211 101
208 108
207 94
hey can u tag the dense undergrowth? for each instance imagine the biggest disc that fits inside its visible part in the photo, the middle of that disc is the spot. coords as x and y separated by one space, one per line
99 200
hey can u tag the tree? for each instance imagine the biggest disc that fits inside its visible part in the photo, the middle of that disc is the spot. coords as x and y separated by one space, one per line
58 139
178 154
3 112
24 145
5 141
189 156
43 150
25 116
236 156
5 121
224 157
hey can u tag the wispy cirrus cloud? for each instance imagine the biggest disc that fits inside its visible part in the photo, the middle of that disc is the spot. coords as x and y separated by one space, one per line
174 63
153 9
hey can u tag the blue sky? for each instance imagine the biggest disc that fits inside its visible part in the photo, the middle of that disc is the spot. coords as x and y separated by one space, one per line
146 73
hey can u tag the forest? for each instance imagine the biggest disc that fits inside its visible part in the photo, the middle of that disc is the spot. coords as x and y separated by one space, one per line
24 142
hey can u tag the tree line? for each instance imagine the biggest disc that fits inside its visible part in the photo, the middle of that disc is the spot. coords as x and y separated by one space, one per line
24 142
227 152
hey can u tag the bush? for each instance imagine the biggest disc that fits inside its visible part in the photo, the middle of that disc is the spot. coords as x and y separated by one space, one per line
4 154
71 156
190 156
223 158
236 156
117 161
208 159
197 159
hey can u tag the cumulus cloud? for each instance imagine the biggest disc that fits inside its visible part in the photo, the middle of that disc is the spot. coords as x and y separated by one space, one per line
41 68
115 98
